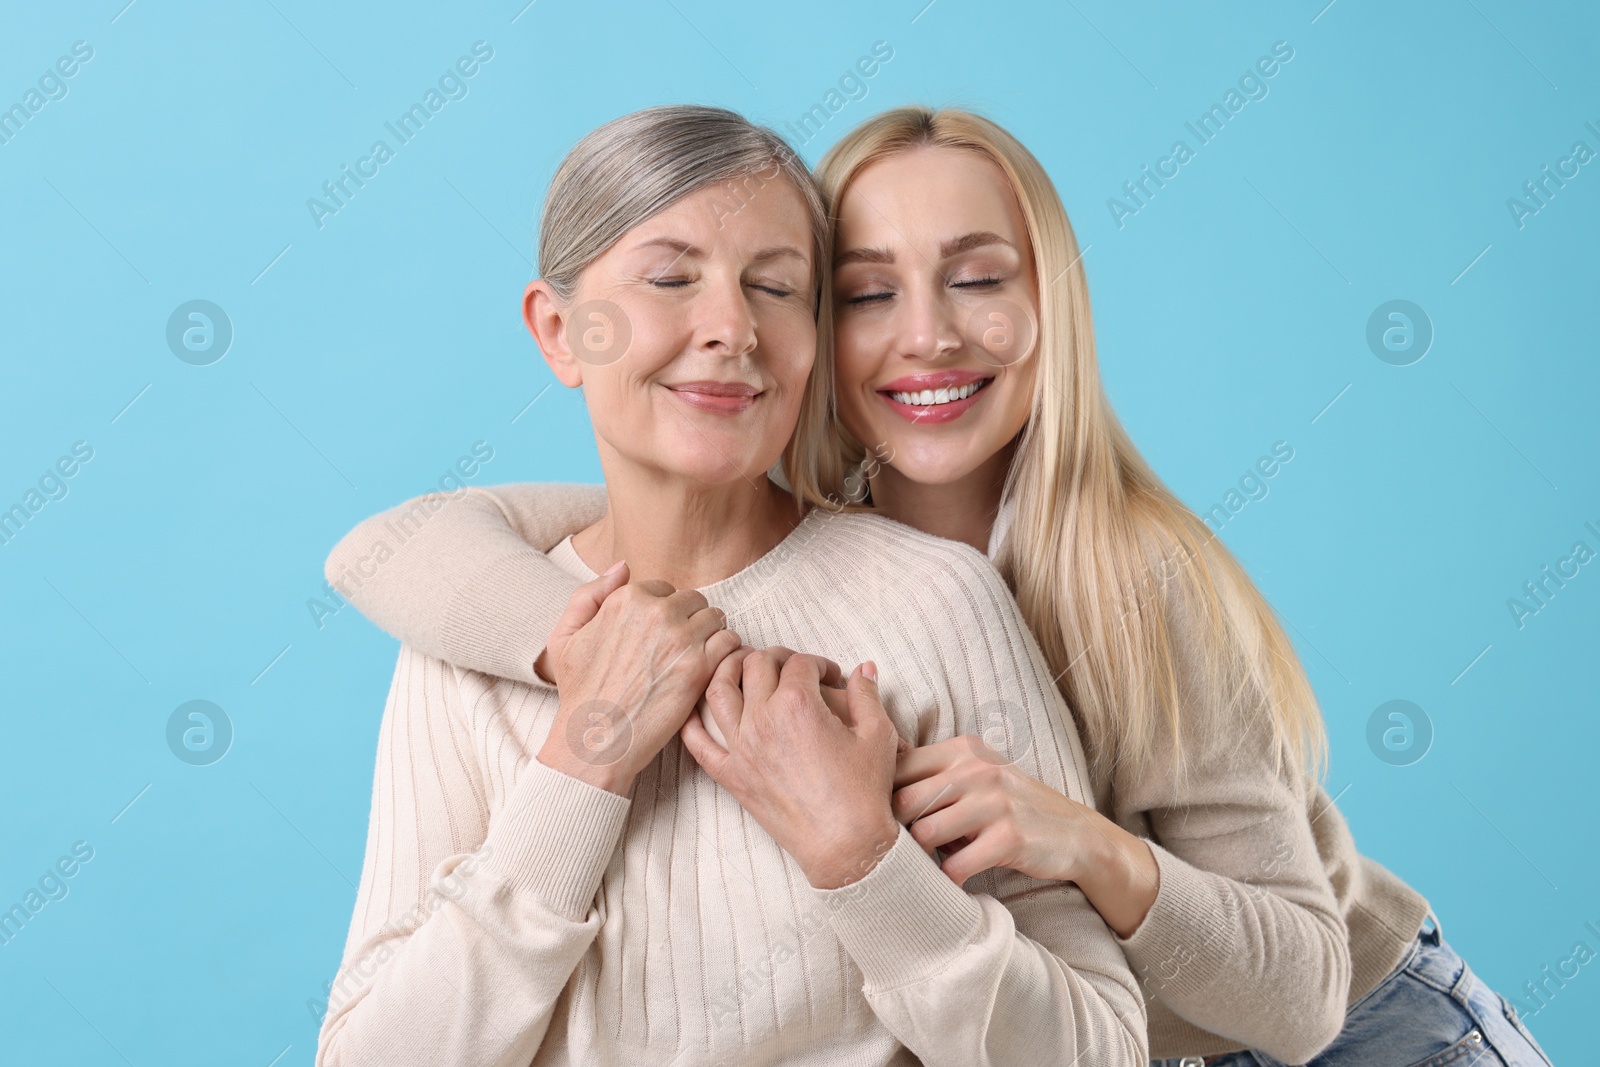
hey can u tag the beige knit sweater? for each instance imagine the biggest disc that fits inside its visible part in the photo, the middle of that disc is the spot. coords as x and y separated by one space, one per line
511 914
1268 921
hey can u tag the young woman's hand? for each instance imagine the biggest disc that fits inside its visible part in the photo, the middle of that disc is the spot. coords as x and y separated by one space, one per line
633 659
967 799
813 766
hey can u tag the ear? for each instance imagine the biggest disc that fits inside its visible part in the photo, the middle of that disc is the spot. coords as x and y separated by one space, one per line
546 319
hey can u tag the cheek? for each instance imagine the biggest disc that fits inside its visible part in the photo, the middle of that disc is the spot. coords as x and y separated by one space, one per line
862 343
655 337
852 372
1012 415
787 347
798 353
868 335
606 395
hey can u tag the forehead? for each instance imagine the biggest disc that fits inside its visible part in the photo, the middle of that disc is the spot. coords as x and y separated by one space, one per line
749 213
925 195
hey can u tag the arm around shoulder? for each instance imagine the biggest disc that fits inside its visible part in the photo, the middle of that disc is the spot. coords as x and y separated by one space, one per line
463 575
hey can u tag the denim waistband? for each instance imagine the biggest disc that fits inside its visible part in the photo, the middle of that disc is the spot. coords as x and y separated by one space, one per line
1443 969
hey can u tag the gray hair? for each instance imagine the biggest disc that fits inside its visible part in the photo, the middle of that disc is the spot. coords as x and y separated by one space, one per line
634 167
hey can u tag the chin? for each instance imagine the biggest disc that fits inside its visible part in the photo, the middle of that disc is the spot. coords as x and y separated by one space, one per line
936 465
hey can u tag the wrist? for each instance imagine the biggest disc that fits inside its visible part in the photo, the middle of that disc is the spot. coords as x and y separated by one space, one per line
613 777
853 856
1131 882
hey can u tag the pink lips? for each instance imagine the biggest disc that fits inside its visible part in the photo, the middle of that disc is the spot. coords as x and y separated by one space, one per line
718 398
933 413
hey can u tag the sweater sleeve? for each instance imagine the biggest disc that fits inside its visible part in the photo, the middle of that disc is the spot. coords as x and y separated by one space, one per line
1245 938
466 927
1007 969
463 575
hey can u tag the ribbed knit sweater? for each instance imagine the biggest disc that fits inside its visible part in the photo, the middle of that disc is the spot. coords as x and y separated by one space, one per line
512 914
1268 921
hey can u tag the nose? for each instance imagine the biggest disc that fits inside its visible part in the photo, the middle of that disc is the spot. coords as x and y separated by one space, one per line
724 323
928 329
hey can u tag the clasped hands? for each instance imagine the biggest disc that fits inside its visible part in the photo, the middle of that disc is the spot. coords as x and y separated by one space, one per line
810 754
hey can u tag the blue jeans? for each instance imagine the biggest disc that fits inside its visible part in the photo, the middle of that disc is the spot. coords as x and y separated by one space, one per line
1431 1011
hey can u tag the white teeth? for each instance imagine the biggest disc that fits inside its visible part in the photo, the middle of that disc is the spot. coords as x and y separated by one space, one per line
934 397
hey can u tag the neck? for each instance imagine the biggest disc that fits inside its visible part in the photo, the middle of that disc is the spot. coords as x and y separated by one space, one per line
962 510
686 533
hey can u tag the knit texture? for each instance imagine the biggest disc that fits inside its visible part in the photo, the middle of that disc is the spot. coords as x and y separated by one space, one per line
511 914
1268 922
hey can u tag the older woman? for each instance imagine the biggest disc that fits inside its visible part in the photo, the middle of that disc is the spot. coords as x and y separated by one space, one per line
596 875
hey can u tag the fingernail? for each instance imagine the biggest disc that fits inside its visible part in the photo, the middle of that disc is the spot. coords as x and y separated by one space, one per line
615 567
870 669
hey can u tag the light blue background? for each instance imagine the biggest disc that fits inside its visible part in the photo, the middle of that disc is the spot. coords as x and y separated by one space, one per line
1230 311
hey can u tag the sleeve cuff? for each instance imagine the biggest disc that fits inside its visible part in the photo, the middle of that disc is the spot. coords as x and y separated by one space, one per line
1182 921
555 838
905 919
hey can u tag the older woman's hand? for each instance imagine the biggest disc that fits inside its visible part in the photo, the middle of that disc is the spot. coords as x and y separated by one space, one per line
633 659
813 769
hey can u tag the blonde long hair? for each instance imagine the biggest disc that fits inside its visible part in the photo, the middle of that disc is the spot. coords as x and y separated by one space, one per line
1099 552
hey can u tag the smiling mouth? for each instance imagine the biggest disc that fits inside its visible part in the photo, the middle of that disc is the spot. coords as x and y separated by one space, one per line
937 398
932 398
720 398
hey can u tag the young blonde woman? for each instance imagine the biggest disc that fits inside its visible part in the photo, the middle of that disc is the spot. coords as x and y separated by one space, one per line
970 406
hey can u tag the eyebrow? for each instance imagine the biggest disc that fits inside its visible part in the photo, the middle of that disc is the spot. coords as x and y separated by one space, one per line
780 252
964 243
976 239
684 248
864 255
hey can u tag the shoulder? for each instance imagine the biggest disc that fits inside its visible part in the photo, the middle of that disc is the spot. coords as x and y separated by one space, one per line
877 563
425 683
559 501
1192 582
548 494
886 543
1225 653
